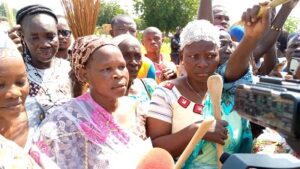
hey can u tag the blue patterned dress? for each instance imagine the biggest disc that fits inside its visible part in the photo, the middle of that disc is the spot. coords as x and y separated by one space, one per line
239 132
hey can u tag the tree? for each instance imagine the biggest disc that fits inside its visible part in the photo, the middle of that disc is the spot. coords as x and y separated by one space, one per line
8 13
166 14
107 11
291 24
2 10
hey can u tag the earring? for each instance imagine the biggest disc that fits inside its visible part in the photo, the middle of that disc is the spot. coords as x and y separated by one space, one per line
85 87
27 57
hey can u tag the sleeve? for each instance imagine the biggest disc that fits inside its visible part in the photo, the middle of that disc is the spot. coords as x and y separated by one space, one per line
175 44
231 86
60 141
151 71
35 112
150 84
160 105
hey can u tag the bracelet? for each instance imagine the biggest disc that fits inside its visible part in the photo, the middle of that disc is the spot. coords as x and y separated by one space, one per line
275 28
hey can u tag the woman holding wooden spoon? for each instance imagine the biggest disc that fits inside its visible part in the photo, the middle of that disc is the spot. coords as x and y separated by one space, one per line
178 105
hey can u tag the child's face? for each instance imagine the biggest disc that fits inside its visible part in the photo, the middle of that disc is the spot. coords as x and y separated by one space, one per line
132 54
200 60
152 41
106 73
14 86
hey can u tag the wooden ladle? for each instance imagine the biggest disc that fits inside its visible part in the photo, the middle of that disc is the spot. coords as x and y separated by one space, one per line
215 87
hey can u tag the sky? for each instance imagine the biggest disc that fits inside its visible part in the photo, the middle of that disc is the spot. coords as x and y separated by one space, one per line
235 7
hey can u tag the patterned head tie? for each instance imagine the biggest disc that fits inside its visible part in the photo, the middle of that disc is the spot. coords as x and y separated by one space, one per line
82 50
199 30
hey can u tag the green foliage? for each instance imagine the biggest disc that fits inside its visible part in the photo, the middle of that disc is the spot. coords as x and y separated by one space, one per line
140 23
2 10
166 14
107 11
9 13
291 24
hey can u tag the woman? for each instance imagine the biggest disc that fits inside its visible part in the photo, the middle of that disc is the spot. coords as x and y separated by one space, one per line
178 105
48 76
84 132
15 131
139 90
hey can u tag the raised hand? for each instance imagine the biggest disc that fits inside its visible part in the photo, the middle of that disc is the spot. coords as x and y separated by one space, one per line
14 36
168 74
255 25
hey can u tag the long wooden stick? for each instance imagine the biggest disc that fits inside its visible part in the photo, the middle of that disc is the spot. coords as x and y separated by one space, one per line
215 87
203 128
272 4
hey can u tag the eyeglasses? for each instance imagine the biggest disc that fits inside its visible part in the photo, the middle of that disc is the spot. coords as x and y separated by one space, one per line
64 33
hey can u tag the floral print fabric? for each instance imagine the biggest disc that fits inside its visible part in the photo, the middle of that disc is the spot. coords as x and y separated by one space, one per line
81 134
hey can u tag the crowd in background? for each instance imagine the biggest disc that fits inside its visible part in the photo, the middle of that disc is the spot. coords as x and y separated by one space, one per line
98 102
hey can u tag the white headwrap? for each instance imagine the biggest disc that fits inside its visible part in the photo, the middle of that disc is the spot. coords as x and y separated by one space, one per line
6 42
7 46
120 38
198 30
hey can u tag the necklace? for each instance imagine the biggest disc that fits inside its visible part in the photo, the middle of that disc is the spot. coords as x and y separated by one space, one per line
38 82
197 93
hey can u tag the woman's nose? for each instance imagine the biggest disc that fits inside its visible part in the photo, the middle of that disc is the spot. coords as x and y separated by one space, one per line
13 92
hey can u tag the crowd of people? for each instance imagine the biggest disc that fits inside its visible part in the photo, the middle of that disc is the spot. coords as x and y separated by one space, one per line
98 102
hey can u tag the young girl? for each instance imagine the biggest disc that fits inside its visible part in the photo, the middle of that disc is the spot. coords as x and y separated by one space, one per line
84 132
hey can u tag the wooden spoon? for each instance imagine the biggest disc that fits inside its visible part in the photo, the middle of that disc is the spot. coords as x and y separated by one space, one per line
215 87
203 128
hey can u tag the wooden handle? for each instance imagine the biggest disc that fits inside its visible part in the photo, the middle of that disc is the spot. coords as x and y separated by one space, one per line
203 128
215 87
272 4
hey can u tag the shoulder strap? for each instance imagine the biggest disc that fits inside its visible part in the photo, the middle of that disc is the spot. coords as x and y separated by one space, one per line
146 88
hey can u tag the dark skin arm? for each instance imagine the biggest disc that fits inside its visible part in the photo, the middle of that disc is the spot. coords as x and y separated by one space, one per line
161 135
254 29
270 61
266 46
205 10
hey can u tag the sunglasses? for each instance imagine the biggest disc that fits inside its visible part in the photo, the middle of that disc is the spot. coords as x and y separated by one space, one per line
64 32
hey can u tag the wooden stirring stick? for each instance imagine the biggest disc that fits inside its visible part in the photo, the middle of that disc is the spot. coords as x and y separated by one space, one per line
203 128
215 87
271 4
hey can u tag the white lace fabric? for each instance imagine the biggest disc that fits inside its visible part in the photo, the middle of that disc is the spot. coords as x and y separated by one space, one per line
199 30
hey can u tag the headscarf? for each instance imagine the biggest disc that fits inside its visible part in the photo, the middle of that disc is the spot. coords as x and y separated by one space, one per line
198 30
7 46
83 49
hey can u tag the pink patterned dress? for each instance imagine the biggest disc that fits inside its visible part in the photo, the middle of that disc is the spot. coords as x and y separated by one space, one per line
81 134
